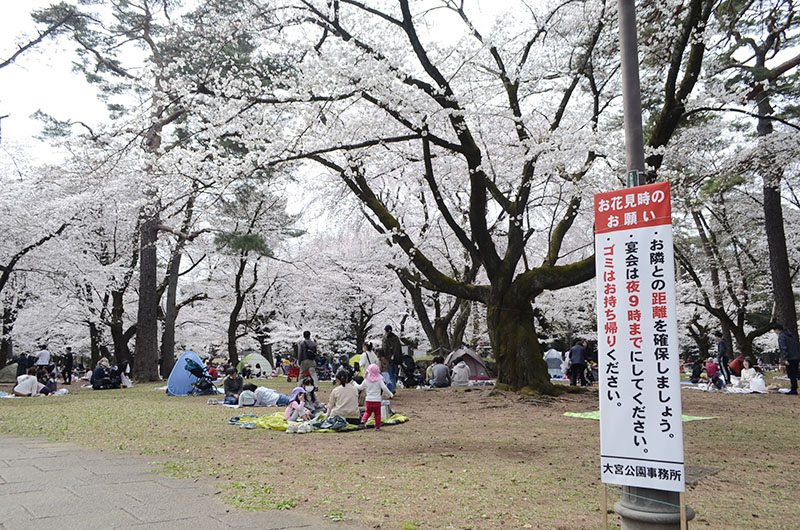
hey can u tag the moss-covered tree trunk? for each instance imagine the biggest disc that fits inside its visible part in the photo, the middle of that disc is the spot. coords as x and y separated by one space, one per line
515 343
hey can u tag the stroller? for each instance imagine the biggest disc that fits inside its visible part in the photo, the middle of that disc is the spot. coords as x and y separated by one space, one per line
323 368
204 383
409 375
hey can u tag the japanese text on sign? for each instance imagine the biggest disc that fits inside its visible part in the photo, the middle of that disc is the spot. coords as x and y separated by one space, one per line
640 411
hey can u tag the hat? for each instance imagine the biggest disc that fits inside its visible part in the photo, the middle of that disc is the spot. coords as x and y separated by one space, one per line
373 374
247 398
297 390
103 362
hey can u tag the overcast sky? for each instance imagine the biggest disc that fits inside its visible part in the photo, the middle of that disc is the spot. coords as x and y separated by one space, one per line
41 78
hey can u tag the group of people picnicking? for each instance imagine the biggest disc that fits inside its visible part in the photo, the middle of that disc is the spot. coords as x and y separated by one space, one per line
355 398
38 374
721 374
361 389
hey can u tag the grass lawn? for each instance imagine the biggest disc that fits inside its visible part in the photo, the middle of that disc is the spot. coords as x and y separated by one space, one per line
466 459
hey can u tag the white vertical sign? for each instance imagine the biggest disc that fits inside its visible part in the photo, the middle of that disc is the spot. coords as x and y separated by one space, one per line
641 434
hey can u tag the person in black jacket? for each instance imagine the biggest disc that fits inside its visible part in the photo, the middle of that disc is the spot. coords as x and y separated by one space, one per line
393 351
69 359
577 358
790 354
722 356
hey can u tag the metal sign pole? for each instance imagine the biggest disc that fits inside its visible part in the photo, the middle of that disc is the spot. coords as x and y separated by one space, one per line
639 507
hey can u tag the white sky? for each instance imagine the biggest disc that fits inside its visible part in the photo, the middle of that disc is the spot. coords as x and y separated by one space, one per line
41 78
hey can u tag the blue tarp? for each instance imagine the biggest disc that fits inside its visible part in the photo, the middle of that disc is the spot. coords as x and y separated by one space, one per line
180 380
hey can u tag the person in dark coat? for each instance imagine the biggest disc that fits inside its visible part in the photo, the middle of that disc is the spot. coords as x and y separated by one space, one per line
69 359
577 359
790 354
23 363
722 357
393 352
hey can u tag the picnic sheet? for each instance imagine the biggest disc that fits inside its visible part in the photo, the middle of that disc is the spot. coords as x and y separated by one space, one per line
277 422
729 390
595 415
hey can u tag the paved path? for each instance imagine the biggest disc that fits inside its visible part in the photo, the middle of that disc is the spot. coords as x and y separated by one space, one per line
61 486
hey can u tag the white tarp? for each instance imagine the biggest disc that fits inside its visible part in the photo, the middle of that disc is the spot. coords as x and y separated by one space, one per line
641 434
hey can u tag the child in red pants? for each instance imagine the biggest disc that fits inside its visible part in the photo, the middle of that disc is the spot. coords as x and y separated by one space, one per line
373 382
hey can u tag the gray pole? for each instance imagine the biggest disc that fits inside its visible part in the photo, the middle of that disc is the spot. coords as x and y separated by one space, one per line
631 96
639 508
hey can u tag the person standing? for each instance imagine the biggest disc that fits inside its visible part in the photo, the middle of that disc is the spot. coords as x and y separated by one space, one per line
42 360
307 358
375 387
577 359
790 354
368 357
722 356
393 351
69 360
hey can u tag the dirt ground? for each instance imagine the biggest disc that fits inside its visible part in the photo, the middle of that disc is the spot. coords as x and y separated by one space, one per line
466 459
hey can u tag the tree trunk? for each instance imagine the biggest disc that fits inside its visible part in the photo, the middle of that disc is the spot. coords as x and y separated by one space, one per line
170 316
233 325
785 311
744 344
118 336
440 326
95 339
7 326
145 360
520 366
266 351
460 325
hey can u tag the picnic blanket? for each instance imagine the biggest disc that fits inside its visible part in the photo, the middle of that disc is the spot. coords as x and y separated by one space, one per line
729 390
595 415
277 422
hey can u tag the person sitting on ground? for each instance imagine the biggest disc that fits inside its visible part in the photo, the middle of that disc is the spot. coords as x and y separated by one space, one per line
362 394
717 384
267 397
101 376
711 368
343 400
47 384
312 402
460 372
232 386
124 373
747 374
429 371
246 372
440 375
296 410
27 384
735 366
213 372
